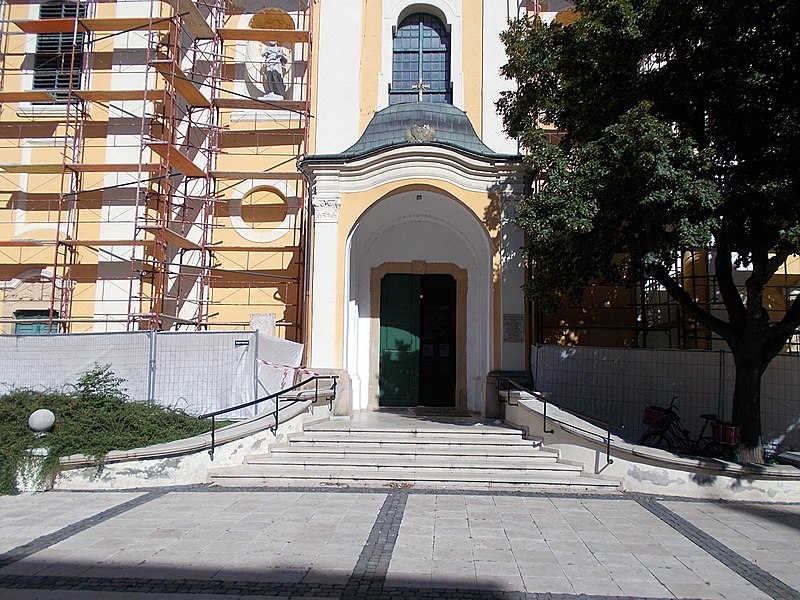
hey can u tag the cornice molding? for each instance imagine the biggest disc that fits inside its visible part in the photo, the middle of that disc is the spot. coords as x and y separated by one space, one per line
420 161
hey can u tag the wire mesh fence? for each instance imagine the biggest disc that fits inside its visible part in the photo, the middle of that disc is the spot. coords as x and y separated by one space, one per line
617 384
57 361
197 372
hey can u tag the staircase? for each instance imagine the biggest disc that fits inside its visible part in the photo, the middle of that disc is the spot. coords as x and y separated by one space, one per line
393 450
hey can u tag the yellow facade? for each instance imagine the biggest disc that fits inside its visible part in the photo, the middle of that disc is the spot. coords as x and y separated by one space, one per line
154 189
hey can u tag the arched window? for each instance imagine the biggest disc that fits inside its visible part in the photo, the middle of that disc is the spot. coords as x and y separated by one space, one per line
421 61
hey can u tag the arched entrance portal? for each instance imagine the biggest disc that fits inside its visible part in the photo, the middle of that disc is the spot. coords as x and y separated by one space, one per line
418 318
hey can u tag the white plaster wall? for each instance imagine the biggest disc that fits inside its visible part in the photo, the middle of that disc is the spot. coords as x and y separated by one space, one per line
323 303
436 229
339 52
512 276
495 20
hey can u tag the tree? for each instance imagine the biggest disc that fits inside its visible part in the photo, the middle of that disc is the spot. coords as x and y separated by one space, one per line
680 130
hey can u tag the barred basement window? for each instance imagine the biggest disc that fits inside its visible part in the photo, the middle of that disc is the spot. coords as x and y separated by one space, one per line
34 322
58 64
421 61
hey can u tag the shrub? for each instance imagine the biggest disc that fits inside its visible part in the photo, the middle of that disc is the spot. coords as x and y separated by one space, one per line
94 419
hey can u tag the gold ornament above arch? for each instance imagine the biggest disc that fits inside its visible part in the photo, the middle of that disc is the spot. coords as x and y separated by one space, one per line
271 18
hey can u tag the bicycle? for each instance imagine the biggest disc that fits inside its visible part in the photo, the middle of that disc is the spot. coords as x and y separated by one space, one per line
666 431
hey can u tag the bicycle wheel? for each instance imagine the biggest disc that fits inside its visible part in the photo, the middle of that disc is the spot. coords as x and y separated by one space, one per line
656 439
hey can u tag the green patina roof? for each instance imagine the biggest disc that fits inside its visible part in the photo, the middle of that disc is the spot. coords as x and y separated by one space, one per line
418 123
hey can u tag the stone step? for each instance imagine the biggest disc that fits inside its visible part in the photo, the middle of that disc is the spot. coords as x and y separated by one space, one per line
436 430
421 464
420 449
395 437
264 476
403 452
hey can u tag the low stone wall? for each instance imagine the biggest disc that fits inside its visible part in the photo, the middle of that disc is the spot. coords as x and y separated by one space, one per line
649 470
185 462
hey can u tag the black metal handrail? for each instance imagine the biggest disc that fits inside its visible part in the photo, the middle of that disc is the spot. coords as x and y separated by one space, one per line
316 379
509 383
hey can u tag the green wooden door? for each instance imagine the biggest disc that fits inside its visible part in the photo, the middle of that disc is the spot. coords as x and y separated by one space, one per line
399 346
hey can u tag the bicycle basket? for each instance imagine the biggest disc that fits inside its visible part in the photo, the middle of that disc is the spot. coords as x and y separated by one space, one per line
653 414
725 433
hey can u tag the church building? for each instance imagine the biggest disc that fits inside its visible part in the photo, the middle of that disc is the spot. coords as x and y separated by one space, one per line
333 170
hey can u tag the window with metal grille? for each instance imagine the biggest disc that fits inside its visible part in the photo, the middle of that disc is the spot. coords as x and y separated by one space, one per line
34 322
58 64
421 61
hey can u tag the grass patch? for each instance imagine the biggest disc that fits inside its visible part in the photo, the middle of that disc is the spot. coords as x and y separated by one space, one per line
95 418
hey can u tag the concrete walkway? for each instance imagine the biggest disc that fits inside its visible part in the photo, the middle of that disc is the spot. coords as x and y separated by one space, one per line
204 543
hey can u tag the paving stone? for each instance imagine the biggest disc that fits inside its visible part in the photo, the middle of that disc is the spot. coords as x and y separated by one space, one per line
675 557
595 586
557 585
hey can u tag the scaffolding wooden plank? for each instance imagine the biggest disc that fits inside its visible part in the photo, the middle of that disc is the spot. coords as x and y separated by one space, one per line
173 157
37 168
115 168
222 248
96 243
263 35
25 243
55 168
257 174
255 104
290 131
171 237
47 25
192 18
66 25
27 96
117 95
183 84
125 24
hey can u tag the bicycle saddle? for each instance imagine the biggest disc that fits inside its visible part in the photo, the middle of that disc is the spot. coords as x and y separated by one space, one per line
708 417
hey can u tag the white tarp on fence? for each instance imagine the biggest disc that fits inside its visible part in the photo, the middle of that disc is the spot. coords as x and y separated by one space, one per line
198 371
56 361
206 371
616 384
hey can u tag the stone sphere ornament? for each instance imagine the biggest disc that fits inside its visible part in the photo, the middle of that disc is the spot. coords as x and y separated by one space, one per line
41 420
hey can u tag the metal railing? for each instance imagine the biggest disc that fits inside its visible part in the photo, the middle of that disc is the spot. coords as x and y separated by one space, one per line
299 397
510 383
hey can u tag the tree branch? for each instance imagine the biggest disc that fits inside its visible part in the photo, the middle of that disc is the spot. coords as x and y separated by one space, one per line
790 321
685 300
723 267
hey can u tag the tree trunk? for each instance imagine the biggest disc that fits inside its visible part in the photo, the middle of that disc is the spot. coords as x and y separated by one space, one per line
747 403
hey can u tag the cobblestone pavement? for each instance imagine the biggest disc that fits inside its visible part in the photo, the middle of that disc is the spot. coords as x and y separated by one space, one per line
204 543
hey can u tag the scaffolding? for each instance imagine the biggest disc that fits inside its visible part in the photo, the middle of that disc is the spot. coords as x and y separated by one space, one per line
157 149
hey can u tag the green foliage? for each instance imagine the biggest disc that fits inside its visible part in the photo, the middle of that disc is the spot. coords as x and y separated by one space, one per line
100 382
682 114
680 129
93 420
